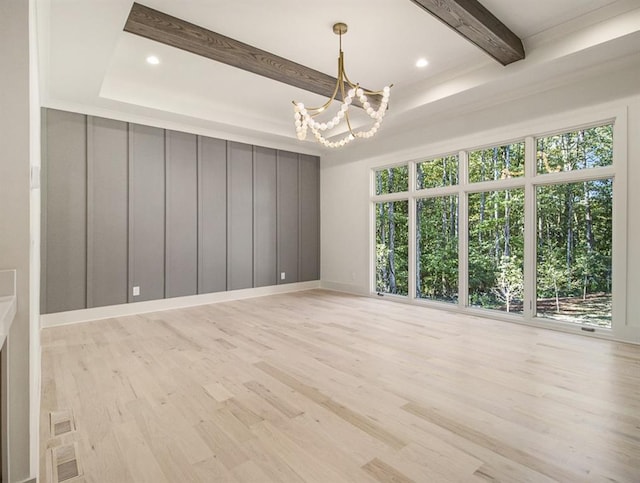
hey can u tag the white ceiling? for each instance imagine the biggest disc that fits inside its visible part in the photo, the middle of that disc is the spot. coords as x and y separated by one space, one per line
89 64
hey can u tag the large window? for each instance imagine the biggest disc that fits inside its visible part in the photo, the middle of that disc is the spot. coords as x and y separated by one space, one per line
392 230
437 248
524 228
392 248
437 230
574 221
574 275
496 249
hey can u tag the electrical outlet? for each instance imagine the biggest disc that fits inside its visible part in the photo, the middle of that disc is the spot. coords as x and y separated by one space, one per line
282 275
136 291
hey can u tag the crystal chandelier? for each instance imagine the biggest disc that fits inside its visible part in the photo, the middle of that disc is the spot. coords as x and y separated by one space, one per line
304 116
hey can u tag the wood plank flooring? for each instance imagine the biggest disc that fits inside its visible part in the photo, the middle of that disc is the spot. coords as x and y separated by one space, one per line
322 387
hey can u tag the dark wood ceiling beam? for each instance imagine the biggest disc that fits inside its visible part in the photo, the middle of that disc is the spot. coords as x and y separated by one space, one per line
161 27
478 25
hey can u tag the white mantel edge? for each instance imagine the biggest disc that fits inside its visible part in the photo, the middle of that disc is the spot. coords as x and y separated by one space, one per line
8 305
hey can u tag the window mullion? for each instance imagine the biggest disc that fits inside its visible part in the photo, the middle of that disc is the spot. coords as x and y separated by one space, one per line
412 232
529 275
463 232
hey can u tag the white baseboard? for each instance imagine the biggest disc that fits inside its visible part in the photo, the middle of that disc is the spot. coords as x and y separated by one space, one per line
98 313
345 287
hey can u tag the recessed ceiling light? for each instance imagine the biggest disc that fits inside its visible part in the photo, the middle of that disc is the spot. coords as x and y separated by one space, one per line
422 62
153 60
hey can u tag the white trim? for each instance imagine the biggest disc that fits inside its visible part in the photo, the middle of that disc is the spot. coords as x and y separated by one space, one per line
108 312
530 229
463 235
372 237
620 326
8 304
402 195
35 215
412 218
438 192
348 288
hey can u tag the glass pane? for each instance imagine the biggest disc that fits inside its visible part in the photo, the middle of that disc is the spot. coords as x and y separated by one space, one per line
438 172
574 240
392 180
392 247
496 247
587 148
437 248
499 162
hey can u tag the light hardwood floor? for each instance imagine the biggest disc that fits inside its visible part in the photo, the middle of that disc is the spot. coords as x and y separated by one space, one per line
322 387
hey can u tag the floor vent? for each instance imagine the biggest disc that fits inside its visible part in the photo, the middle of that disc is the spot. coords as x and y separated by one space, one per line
65 463
61 422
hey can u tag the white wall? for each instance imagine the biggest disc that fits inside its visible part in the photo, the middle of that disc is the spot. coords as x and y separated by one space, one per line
34 276
345 205
14 221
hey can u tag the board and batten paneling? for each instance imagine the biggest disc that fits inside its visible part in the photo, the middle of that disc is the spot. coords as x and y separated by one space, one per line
175 214
212 215
146 212
264 217
288 221
181 233
107 211
309 202
64 277
239 216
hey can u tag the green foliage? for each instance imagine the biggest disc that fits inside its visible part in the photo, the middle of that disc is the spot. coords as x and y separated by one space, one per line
392 233
496 249
499 162
509 284
392 180
392 247
437 248
437 172
574 240
587 148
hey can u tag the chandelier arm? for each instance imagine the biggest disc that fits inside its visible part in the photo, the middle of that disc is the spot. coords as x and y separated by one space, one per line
346 116
339 82
351 84
341 77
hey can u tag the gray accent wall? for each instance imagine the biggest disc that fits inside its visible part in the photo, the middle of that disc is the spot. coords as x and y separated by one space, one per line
182 214
309 200
288 217
65 211
212 215
107 211
146 212
264 217
239 216
172 213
